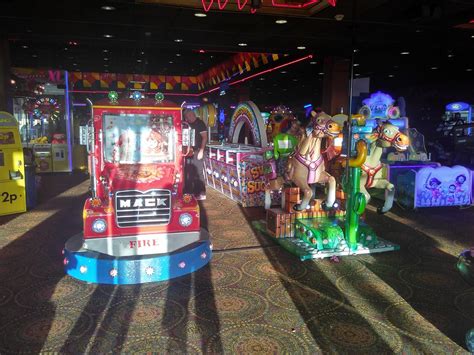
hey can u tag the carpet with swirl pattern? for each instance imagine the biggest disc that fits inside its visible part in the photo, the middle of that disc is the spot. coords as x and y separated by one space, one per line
254 297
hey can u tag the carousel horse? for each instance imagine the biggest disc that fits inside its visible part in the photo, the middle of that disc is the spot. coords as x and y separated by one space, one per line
385 135
306 165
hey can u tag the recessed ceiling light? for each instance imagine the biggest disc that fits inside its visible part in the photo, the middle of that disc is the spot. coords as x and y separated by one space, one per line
301 47
34 55
139 60
171 62
356 64
321 73
404 53
391 76
24 46
469 69
178 54
243 44
283 72
262 78
313 62
108 8
434 68
106 58
357 74
295 79
472 36
356 50
105 51
178 40
281 22
200 14
450 55
418 30
142 52
108 35
12 81
74 64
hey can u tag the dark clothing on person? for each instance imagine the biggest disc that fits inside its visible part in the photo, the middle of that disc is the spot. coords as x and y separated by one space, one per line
194 179
198 126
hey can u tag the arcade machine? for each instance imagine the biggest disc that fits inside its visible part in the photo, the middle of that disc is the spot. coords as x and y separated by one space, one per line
235 169
12 169
418 181
138 225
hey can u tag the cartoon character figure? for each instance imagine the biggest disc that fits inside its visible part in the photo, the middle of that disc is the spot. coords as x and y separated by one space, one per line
434 186
155 143
460 180
451 193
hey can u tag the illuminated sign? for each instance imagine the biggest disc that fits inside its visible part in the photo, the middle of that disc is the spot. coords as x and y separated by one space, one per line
457 106
378 104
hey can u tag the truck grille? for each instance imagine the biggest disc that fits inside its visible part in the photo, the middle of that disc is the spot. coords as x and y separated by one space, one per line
137 208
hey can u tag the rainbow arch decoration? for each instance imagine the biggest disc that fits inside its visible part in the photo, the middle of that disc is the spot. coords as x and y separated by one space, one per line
248 113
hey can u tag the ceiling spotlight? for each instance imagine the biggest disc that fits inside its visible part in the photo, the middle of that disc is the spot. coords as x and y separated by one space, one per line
34 55
105 51
74 64
434 68
106 58
281 22
355 50
242 44
13 82
295 79
108 35
301 47
24 46
171 62
391 76
321 73
139 60
472 36
404 53
357 74
178 40
283 72
450 55
200 14
313 62
469 69
178 54
142 52
262 79
108 8
356 64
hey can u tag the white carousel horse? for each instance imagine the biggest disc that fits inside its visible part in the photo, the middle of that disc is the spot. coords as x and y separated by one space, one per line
386 135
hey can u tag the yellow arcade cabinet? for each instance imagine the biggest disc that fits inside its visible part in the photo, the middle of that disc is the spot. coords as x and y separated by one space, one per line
12 169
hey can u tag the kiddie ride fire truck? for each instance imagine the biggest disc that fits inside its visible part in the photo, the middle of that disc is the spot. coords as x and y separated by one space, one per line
138 225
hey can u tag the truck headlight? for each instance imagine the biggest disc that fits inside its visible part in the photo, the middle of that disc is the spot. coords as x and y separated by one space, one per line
185 220
99 226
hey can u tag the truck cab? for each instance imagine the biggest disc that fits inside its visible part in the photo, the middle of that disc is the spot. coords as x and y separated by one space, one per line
136 159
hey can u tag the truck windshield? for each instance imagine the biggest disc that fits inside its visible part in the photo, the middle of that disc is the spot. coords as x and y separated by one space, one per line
138 138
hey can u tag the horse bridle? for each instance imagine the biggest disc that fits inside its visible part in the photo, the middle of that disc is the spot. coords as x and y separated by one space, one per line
324 128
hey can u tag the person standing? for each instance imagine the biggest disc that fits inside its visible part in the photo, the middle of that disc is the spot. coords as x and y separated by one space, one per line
194 180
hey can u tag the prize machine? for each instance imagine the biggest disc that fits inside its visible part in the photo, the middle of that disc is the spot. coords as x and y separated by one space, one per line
45 127
418 181
12 169
236 169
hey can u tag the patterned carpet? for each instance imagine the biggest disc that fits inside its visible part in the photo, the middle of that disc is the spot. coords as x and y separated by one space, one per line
254 297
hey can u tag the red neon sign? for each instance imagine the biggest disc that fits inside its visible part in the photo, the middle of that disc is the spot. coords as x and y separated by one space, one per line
241 6
297 6
222 4
207 7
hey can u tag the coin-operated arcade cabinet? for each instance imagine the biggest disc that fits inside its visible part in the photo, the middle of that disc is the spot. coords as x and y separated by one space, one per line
12 169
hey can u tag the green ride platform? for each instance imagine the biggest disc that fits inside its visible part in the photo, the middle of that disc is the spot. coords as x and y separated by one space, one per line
323 237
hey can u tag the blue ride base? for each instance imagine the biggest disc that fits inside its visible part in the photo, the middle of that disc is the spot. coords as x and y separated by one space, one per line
92 267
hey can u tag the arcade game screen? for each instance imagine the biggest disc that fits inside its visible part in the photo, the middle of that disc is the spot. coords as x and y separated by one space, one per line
138 138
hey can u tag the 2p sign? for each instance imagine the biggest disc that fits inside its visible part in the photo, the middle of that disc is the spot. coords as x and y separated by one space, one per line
6 197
